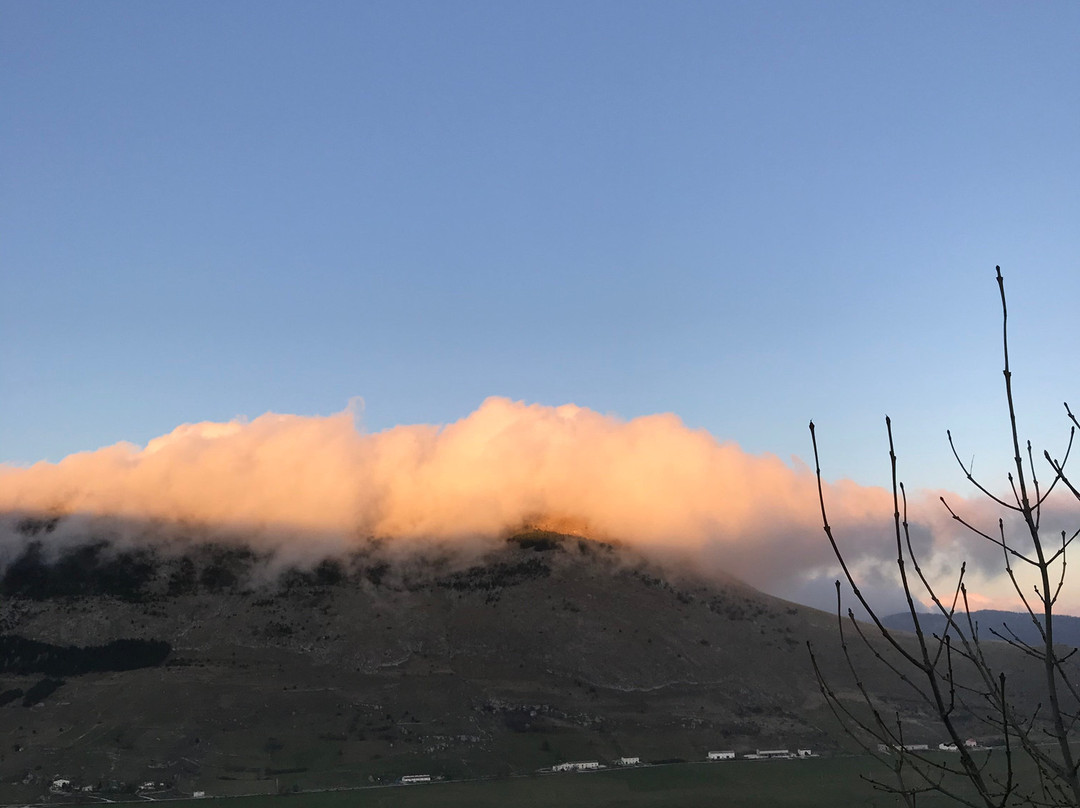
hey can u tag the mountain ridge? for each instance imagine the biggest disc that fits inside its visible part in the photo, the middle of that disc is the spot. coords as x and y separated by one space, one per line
994 625
498 659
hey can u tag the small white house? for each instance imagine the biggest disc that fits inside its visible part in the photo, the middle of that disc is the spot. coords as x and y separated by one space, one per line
583 766
629 761
725 755
804 753
971 743
61 784
199 794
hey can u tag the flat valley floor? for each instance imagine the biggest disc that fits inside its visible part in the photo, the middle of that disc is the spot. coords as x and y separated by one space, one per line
824 782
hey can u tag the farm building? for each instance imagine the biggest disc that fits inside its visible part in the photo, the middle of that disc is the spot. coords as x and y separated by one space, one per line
629 761
576 767
409 779
908 747
725 755
774 753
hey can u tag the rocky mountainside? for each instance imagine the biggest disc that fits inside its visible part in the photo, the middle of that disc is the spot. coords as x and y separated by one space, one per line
209 669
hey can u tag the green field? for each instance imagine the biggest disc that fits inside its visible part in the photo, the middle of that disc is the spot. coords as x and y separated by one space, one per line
754 784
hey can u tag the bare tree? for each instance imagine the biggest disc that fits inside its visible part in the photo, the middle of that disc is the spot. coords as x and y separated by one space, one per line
955 674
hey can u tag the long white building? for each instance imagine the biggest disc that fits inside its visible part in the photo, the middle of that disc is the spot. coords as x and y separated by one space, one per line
583 766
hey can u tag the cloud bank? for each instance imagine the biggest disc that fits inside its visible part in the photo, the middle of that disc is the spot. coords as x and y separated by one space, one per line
307 484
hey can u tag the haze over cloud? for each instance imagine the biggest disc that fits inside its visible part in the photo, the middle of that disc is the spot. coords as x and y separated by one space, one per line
675 493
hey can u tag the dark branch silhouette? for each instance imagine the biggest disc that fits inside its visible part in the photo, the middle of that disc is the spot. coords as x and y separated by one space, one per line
954 674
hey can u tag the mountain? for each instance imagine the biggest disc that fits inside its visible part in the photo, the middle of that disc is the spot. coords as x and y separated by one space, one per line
214 667
995 626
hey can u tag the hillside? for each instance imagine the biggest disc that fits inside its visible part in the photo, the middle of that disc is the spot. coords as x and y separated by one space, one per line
210 669
996 626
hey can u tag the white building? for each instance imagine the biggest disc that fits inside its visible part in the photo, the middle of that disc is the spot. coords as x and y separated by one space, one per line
725 755
908 747
629 761
408 779
576 767
774 753
804 753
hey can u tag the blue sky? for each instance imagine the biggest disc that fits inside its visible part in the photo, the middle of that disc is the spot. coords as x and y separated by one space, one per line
748 214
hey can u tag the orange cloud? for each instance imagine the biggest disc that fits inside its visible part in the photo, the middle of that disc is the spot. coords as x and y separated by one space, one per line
650 482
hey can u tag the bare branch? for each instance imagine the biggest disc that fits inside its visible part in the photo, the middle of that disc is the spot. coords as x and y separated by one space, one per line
955 674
